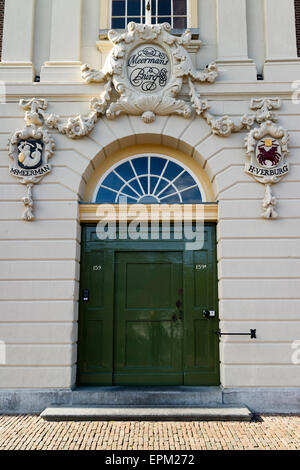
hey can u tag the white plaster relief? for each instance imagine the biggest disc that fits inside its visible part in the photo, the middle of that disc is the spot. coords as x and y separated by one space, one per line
30 149
267 151
143 76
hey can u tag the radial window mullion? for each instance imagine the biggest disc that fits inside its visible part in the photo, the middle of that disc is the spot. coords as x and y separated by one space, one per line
171 182
126 183
136 175
188 188
150 179
160 177
149 175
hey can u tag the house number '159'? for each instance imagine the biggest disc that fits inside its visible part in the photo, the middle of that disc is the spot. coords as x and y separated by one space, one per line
201 266
97 268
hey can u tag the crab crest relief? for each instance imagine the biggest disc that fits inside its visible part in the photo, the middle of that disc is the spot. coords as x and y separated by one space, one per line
267 151
29 150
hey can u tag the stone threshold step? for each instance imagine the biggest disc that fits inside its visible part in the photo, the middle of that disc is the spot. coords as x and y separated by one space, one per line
136 413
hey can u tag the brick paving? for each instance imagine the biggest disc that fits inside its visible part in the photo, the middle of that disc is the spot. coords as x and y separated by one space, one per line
33 433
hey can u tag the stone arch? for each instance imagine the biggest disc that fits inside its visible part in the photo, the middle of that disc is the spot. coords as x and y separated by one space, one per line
154 149
172 135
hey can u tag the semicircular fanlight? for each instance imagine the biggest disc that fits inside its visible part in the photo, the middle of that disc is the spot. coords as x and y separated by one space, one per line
148 180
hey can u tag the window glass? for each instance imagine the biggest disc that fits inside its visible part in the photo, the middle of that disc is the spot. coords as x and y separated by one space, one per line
125 171
149 179
179 7
118 23
164 8
162 19
179 22
133 8
118 7
170 11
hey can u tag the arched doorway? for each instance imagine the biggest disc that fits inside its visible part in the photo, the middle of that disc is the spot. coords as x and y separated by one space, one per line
148 305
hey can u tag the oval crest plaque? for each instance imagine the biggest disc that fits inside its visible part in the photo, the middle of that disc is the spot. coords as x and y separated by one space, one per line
148 68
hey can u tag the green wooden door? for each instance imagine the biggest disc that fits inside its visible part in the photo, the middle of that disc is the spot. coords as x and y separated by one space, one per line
148 339
143 322
95 336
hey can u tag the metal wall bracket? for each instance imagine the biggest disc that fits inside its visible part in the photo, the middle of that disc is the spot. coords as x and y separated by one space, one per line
252 334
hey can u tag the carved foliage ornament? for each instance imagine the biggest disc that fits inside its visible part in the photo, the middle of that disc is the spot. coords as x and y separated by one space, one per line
147 66
30 149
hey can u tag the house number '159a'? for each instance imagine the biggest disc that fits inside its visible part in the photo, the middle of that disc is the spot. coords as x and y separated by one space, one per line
199 267
97 268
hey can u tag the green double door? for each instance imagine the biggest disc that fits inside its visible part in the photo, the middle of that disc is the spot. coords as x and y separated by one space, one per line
141 313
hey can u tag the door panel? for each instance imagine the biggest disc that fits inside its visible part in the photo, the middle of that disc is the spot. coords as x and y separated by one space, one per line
96 319
148 339
201 342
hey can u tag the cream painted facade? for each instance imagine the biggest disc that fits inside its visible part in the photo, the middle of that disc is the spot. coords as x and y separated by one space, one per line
258 259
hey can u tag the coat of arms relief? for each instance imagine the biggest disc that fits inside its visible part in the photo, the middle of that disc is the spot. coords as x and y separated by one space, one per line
143 76
30 149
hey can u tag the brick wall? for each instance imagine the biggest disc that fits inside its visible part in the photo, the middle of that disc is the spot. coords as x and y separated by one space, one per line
297 8
2 3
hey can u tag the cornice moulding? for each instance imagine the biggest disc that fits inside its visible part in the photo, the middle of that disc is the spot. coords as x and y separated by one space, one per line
88 212
81 92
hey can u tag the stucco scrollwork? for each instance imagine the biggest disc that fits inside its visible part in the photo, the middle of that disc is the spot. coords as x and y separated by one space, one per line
147 66
30 149
143 76
223 126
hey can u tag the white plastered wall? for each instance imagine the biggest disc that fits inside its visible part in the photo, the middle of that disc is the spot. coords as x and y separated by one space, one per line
258 260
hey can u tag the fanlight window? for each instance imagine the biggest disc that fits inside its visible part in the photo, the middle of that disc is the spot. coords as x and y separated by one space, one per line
148 180
170 11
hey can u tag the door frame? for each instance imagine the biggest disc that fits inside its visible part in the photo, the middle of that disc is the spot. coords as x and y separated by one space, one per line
88 211
205 212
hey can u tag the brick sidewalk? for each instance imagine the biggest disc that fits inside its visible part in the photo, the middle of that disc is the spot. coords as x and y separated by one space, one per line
31 433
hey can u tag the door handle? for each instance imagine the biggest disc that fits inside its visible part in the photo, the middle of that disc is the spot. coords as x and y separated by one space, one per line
174 317
85 295
181 315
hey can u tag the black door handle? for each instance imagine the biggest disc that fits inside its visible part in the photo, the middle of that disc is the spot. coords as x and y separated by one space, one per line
85 295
